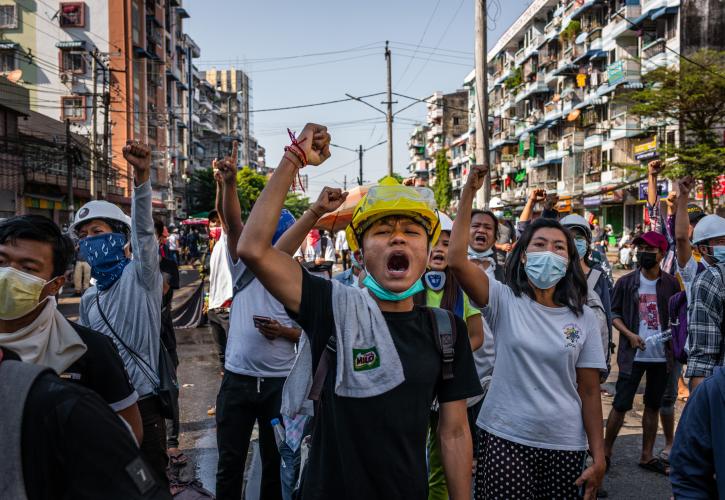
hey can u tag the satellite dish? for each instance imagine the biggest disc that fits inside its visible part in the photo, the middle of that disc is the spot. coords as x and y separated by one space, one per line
14 75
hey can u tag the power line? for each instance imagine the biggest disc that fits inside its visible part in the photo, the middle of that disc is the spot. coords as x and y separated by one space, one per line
309 105
298 56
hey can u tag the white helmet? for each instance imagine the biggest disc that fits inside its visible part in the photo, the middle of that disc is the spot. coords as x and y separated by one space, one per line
577 221
495 203
710 226
99 209
445 221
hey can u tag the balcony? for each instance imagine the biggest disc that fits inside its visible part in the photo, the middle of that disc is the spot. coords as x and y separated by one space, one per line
624 125
434 132
435 114
537 86
553 152
619 26
624 71
519 57
552 111
593 141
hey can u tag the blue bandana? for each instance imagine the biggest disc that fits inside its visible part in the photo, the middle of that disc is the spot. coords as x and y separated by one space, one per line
104 253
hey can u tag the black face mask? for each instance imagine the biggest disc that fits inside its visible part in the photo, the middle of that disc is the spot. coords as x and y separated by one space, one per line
647 260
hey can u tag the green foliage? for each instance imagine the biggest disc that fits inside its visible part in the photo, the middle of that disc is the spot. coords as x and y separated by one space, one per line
201 190
395 175
296 203
515 79
571 31
249 186
443 188
695 98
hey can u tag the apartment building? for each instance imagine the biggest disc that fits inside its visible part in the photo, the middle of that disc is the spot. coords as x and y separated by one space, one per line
418 164
556 82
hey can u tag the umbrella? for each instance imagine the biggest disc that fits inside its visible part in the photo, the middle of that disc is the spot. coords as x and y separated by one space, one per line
341 218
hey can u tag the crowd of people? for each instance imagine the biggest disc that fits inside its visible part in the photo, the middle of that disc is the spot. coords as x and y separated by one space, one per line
451 358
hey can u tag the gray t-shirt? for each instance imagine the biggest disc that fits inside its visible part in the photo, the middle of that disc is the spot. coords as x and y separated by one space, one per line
248 351
533 397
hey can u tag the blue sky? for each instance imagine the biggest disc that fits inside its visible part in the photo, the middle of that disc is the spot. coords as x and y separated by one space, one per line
432 46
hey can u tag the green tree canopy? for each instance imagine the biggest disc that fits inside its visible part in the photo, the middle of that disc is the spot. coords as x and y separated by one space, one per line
443 188
296 203
694 97
249 186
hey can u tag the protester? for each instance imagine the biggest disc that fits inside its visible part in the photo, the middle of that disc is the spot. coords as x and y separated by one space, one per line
261 348
372 418
81 275
698 454
173 243
548 357
350 277
125 303
705 321
442 290
33 255
506 236
318 254
192 245
342 249
220 277
60 440
641 314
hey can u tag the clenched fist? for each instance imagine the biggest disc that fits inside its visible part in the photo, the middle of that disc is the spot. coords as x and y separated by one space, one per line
476 177
329 200
139 156
315 142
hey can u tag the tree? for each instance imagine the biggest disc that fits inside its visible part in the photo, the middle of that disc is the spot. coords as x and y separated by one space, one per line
249 186
443 189
202 190
694 98
296 204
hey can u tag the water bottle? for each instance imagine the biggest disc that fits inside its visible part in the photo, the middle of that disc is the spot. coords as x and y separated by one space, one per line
279 434
661 337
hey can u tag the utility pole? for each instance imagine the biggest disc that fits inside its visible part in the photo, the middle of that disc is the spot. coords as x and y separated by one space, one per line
69 168
360 151
94 124
390 114
344 183
106 130
360 157
482 138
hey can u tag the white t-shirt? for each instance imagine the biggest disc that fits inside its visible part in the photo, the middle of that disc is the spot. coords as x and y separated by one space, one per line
314 252
248 351
533 397
649 322
220 278
688 274
485 355
173 242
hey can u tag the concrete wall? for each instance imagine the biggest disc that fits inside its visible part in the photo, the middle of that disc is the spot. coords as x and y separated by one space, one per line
702 25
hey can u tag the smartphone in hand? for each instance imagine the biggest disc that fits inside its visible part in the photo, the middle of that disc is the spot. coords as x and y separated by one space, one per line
260 321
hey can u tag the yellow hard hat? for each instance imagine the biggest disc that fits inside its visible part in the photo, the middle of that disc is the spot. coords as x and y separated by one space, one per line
391 198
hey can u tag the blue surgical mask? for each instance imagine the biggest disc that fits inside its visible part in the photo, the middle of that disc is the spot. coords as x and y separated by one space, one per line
384 294
718 253
581 247
545 269
105 254
498 214
472 254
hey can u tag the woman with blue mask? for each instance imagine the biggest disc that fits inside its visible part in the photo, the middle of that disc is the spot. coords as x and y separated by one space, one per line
543 409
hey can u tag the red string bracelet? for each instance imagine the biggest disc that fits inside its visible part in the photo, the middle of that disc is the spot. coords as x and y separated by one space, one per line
296 150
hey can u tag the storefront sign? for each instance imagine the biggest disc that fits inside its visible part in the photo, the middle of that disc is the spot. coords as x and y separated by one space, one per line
646 150
564 204
615 72
662 189
507 158
592 201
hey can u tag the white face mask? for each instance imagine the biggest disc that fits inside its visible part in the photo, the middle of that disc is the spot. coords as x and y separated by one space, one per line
21 293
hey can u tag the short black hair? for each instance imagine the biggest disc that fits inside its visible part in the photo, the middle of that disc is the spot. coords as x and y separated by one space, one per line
159 227
477 211
213 214
44 230
571 291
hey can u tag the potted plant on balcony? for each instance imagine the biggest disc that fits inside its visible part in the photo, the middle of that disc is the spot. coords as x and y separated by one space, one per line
571 31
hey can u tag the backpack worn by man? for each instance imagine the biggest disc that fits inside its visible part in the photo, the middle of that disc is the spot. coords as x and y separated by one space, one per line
595 303
677 306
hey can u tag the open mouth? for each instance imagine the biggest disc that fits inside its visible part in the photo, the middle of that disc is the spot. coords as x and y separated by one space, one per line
480 239
398 264
438 258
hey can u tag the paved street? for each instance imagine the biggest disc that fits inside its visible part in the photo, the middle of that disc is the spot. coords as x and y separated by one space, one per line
199 377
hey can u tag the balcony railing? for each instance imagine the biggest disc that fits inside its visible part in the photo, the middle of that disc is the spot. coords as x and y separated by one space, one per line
653 48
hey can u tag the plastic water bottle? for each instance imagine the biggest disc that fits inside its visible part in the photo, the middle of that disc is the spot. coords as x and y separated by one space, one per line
661 337
279 434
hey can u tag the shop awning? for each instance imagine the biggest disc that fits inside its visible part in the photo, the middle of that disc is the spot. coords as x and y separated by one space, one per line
72 44
663 12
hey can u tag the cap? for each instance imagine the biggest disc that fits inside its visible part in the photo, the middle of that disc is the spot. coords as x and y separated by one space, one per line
710 226
695 213
653 239
445 221
577 221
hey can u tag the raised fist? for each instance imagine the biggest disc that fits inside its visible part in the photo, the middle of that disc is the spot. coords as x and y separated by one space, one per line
329 200
655 167
685 187
537 195
476 177
315 142
139 156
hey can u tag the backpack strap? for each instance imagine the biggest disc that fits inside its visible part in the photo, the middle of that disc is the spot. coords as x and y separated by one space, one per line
323 367
243 282
444 332
593 277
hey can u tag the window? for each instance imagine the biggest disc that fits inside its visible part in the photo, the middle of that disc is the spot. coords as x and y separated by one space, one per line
73 61
8 17
74 108
72 15
7 61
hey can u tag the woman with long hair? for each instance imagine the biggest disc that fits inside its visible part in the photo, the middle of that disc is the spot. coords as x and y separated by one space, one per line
543 409
442 290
